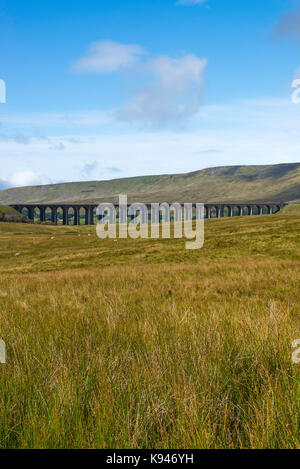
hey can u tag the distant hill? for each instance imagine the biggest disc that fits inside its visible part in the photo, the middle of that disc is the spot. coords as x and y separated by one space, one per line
268 183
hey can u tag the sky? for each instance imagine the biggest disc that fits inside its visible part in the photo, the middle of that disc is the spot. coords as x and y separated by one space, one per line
105 89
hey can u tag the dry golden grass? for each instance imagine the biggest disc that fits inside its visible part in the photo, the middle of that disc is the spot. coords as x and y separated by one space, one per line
141 344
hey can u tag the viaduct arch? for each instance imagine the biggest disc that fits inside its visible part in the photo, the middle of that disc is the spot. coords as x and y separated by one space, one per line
211 211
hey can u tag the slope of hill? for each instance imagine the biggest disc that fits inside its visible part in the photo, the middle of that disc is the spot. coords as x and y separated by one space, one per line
291 208
268 183
11 215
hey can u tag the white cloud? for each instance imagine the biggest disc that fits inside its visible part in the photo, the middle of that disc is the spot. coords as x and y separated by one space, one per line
59 146
17 138
190 2
94 171
108 57
174 94
27 178
89 169
264 131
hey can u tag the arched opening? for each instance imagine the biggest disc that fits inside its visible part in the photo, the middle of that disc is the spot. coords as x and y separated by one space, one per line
271 209
226 211
246 211
48 214
60 216
37 215
71 215
25 211
82 216
213 212
255 210
262 209
276 209
236 211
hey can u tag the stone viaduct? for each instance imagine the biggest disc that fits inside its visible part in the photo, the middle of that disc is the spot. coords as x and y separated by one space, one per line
62 211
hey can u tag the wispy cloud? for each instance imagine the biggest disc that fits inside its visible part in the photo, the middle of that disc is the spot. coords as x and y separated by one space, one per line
173 95
89 169
173 90
243 132
93 170
59 146
108 57
209 151
191 2
288 25
17 138
114 170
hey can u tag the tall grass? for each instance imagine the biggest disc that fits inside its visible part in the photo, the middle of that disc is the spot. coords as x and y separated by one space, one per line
193 354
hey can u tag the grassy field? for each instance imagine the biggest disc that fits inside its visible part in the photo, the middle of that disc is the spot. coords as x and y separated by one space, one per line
142 344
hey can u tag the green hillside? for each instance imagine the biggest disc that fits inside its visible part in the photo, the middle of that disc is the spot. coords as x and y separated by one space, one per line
268 183
11 215
291 208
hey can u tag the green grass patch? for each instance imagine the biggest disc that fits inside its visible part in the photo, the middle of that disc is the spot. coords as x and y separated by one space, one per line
291 209
142 344
9 214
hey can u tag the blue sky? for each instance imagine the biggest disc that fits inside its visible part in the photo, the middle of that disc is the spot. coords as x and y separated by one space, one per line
116 88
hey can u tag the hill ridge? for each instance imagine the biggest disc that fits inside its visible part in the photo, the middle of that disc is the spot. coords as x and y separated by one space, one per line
249 183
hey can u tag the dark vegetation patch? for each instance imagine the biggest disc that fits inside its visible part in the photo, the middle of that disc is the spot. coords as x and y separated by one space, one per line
9 214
